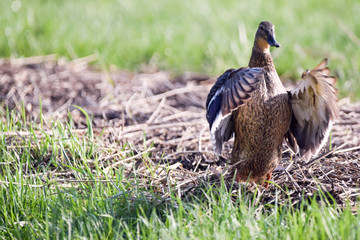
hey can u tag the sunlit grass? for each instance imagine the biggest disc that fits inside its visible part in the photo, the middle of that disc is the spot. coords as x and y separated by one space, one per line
202 36
49 190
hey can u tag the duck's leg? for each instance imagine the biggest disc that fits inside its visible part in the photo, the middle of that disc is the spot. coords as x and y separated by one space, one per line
267 179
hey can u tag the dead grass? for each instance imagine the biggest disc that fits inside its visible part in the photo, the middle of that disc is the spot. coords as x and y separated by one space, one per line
161 119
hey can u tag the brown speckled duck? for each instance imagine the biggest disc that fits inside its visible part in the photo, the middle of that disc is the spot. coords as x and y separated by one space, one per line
252 104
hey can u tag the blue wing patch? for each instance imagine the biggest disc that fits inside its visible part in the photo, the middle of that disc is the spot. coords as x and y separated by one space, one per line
214 109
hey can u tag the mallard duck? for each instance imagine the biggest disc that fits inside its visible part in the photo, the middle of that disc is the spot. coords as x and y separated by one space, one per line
252 104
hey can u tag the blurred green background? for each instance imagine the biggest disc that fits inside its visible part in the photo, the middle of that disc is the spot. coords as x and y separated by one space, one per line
200 36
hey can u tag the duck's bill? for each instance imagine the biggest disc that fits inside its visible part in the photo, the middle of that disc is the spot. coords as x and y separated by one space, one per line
272 42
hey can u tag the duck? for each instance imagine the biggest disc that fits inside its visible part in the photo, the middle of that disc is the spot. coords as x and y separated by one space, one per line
252 105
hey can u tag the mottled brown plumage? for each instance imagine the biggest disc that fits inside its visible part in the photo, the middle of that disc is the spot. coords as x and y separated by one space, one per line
264 113
260 124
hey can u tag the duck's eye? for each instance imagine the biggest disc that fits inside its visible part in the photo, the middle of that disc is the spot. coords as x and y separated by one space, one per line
261 28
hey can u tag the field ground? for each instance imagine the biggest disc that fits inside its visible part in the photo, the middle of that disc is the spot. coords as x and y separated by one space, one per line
91 151
98 154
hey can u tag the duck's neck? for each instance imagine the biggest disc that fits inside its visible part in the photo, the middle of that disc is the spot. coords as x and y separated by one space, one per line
261 57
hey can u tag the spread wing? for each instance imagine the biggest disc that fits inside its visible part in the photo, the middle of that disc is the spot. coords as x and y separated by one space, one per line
314 106
228 94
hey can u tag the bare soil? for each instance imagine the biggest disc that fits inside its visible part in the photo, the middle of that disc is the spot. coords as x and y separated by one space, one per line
161 118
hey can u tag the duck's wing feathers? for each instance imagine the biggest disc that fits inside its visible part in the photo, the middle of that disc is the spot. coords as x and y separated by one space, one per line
228 94
314 108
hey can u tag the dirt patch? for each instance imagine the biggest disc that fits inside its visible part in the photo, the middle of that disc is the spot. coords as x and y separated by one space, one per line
163 116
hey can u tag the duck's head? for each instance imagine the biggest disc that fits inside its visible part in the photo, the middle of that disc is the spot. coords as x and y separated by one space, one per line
265 36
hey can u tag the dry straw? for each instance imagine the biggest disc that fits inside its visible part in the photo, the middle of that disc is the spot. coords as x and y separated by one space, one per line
161 120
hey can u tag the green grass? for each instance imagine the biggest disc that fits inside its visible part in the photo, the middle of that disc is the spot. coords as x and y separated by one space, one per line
202 36
51 187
